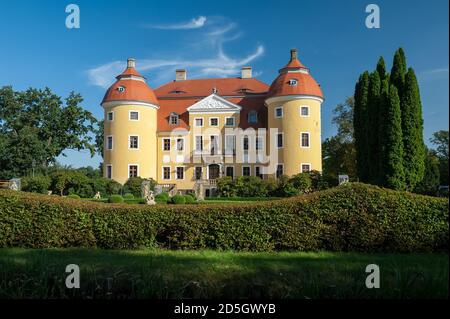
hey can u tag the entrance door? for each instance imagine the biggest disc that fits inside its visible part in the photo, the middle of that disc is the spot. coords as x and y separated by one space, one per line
214 171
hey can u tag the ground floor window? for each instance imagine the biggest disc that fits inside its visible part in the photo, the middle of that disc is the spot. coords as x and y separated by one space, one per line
246 171
229 171
198 173
109 171
180 172
258 171
166 172
306 168
279 170
133 171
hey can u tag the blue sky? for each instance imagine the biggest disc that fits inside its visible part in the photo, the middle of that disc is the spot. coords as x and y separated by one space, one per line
212 38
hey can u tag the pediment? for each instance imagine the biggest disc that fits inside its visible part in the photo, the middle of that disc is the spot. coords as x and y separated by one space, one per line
213 103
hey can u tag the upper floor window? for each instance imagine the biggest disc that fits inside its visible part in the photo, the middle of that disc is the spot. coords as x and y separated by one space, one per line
109 143
180 144
134 115
166 144
230 144
199 143
229 121
198 122
109 171
293 82
278 112
180 172
245 143
258 143
110 116
252 117
214 121
174 118
134 142
198 173
304 111
280 140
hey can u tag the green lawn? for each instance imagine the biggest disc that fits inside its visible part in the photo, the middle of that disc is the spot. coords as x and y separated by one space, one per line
39 273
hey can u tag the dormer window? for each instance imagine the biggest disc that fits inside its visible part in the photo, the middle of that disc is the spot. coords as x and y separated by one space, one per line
121 89
252 117
293 82
174 118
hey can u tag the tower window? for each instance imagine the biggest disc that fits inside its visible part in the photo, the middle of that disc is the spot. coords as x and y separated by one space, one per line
305 140
174 118
134 115
121 89
304 111
252 117
109 143
293 82
110 116
134 142
133 171
278 112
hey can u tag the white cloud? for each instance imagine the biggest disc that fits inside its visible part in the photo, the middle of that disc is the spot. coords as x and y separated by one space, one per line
217 62
437 71
195 23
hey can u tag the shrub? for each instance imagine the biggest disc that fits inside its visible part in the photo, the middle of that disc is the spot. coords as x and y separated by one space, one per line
192 194
189 199
115 199
36 184
178 199
113 187
133 186
301 182
73 196
352 217
164 195
128 196
161 199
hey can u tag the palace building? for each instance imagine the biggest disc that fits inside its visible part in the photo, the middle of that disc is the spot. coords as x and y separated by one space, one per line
187 133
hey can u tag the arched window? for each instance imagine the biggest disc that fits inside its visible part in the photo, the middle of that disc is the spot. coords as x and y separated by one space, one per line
252 117
174 118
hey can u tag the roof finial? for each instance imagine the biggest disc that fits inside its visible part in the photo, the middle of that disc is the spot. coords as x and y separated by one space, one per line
293 54
131 63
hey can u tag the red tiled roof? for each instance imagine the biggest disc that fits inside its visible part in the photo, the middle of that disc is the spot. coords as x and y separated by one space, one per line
135 89
204 87
306 85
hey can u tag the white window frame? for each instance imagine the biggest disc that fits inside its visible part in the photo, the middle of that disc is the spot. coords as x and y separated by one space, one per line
301 140
199 118
301 167
195 173
176 173
138 142
226 145
109 165
112 143
134 111
217 138
275 112
215 118
177 116
195 144
107 116
248 144
300 110
170 173
232 118
282 169
176 143
282 139
249 170
232 167
137 166
162 144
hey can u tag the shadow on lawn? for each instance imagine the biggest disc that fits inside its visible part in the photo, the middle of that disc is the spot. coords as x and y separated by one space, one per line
41 273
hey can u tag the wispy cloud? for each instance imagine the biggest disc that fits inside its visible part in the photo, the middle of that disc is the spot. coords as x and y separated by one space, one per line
211 59
434 74
195 23
437 71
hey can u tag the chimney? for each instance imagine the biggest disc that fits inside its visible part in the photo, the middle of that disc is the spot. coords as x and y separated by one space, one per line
131 63
180 75
293 54
246 72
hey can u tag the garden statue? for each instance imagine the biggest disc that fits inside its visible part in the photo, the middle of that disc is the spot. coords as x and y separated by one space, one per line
343 179
49 193
147 194
150 199
97 195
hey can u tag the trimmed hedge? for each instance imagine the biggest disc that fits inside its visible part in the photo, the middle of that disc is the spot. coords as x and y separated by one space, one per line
353 217
73 196
128 196
178 199
115 199
189 199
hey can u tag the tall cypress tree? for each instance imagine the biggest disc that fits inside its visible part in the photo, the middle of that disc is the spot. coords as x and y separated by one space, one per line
398 71
393 172
360 125
372 126
382 127
412 127
381 68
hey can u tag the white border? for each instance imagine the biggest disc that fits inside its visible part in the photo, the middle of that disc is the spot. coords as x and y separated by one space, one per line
249 168
196 151
301 168
107 119
309 140
218 144
129 142
275 112
129 102
195 121
234 121
138 113
218 121
112 143
162 173
285 98
162 144
300 110
176 144
137 174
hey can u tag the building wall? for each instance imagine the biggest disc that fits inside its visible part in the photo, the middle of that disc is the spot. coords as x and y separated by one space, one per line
120 157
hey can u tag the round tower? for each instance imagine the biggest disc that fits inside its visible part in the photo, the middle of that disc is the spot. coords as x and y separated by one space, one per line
294 101
130 126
